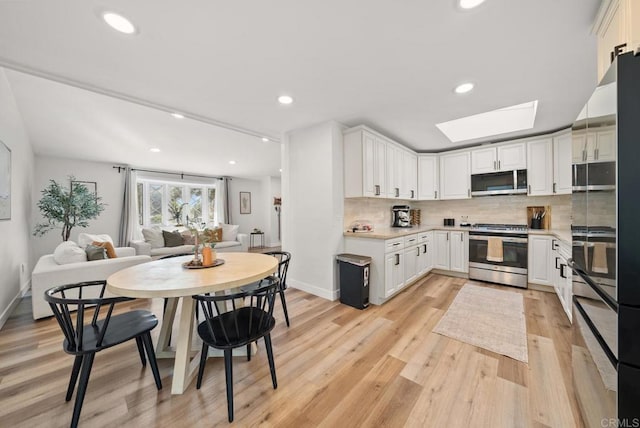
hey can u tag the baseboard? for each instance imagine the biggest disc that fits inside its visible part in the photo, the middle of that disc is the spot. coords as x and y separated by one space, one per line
14 302
312 289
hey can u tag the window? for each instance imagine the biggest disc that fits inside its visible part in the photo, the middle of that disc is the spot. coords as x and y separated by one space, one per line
164 203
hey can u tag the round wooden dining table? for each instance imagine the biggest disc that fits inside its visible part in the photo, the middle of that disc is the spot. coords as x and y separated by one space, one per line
167 278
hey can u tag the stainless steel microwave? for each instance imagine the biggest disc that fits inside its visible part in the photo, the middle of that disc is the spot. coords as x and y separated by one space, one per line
594 176
499 183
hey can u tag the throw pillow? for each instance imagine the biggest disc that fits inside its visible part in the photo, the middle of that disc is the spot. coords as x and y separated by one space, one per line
108 246
172 239
153 237
85 239
188 238
229 232
213 235
95 253
69 252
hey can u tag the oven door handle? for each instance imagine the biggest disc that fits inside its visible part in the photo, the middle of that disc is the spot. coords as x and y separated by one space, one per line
592 244
502 238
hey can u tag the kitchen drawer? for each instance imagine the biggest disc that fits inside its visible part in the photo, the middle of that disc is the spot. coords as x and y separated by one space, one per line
423 237
410 240
395 244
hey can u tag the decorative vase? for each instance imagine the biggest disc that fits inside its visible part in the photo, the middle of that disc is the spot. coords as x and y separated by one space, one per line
207 256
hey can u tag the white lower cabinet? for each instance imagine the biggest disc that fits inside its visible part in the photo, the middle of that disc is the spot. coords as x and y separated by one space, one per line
540 259
563 276
451 250
394 262
393 273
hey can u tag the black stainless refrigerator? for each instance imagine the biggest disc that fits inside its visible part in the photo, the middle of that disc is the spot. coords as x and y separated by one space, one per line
605 353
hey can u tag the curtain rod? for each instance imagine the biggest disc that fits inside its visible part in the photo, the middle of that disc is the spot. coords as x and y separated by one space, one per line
120 168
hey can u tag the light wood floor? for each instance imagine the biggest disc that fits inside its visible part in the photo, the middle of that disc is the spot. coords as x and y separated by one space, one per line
336 366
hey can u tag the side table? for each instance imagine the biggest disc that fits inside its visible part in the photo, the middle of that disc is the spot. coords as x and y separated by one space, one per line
253 235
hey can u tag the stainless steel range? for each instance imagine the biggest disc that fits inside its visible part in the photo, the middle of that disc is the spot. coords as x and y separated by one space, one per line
498 253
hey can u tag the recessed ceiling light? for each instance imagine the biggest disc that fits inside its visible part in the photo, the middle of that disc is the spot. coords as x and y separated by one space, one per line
265 140
463 88
154 150
119 23
470 4
495 122
280 169
232 162
285 99
177 115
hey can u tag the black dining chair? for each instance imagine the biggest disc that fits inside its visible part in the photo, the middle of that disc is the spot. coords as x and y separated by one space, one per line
249 319
85 340
283 266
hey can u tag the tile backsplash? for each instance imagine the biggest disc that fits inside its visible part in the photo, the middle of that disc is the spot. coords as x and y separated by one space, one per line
490 209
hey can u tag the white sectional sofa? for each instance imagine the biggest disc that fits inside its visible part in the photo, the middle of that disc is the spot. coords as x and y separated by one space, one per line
154 246
48 273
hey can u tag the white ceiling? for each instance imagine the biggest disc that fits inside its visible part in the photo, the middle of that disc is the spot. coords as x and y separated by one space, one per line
389 64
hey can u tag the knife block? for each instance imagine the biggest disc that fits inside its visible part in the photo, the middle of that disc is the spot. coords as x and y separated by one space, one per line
545 222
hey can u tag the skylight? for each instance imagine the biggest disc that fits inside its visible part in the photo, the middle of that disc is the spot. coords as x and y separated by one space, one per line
496 122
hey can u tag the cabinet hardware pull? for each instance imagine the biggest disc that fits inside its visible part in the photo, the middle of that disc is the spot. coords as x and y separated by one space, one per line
584 155
553 244
435 196
469 193
418 248
412 194
498 165
397 259
447 236
562 266
397 192
424 248
494 165
596 154
529 189
377 189
461 237
554 187
557 258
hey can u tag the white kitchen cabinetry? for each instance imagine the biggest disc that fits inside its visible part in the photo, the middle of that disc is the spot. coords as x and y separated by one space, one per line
562 164
540 268
459 256
411 256
455 178
540 167
427 177
394 274
562 275
409 177
365 164
598 146
394 170
425 246
451 250
501 158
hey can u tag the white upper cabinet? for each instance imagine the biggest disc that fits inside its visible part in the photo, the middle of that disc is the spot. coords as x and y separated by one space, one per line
427 177
394 169
455 177
501 158
598 146
364 165
409 181
540 167
562 164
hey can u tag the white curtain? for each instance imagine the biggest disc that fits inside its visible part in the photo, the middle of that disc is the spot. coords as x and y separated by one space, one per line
129 227
223 212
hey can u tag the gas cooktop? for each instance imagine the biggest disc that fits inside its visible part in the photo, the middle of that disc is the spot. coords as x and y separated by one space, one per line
503 228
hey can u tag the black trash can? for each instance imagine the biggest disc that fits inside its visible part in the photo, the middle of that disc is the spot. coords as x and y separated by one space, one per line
354 280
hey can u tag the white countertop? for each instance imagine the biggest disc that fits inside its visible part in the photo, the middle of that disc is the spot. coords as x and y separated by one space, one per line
397 232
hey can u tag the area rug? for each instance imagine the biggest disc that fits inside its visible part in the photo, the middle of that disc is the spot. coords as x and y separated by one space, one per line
488 318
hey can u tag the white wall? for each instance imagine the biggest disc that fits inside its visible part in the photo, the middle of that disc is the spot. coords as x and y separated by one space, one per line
110 187
273 189
313 207
14 248
262 192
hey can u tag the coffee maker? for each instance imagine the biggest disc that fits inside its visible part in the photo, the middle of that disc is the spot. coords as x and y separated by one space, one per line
401 215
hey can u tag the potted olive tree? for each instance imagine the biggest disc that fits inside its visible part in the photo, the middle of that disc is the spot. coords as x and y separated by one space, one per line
67 208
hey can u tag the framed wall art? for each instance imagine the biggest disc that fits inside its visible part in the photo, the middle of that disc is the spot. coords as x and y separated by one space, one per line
91 186
5 182
245 202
